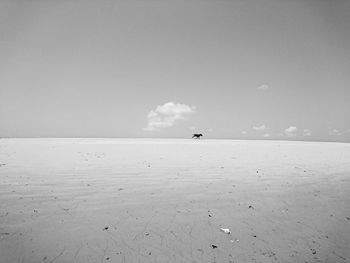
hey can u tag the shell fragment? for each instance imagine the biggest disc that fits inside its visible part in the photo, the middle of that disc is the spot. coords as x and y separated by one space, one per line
225 230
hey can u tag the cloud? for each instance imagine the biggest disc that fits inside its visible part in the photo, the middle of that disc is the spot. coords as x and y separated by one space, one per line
167 115
266 135
244 132
260 128
291 131
347 130
263 87
307 132
334 132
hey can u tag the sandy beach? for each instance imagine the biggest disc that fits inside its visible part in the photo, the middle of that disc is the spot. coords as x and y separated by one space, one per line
162 200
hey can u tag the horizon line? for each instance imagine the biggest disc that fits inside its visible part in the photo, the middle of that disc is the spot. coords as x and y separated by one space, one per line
178 138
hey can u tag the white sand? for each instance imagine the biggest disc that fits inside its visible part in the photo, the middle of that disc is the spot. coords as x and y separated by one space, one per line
166 200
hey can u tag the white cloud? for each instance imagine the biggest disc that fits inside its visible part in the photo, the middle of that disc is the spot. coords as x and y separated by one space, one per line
291 131
244 132
347 130
263 87
307 132
334 132
167 114
266 135
260 128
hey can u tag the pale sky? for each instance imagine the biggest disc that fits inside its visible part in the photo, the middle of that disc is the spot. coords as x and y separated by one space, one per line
240 69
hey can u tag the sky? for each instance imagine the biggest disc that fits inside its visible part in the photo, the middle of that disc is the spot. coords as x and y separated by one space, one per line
238 69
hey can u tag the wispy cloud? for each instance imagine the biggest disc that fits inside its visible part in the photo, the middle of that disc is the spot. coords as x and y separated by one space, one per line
291 131
266 135
167 115
243 132
307 132
262 127
263 87
334 132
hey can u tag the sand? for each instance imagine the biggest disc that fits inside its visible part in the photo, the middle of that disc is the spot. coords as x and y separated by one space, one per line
145 200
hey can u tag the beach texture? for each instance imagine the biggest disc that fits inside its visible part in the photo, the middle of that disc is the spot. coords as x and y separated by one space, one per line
162 200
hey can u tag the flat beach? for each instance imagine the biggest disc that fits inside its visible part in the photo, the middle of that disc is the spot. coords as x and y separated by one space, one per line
166 200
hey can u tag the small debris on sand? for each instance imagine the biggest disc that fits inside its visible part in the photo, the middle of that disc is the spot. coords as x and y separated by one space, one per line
313 251
348 218
225 230
213 246
107 258
105 228
250 207
209 213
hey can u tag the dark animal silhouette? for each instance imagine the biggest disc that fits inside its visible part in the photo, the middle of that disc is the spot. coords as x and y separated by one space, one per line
197 135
